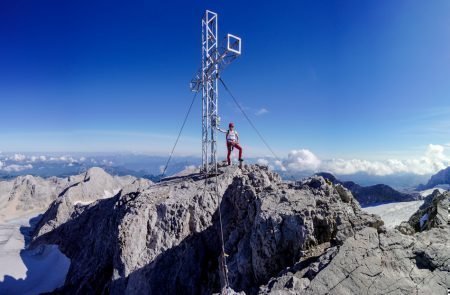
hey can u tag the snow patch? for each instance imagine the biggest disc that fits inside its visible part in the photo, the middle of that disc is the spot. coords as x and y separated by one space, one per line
441 188
394 213
106 195
109 194
423 219
83 203
28 271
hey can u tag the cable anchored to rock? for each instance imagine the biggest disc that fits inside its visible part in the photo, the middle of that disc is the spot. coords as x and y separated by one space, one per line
224 255
179 134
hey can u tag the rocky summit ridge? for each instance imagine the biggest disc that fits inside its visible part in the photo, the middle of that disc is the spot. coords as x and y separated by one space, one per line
310 237
29 194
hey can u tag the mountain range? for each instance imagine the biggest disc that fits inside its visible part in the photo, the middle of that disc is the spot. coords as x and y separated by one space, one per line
27 194
374 194
308 237
124 235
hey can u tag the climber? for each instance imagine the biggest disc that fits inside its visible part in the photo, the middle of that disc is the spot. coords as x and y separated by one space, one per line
232 141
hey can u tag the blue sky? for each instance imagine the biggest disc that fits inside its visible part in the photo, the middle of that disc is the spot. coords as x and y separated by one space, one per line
343 79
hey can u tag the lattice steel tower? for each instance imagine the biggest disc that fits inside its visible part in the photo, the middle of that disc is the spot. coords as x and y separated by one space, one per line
215 57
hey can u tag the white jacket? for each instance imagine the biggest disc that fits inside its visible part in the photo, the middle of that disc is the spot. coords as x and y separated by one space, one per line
232 135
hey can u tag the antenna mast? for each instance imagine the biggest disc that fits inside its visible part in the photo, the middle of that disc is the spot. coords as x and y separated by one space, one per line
214 59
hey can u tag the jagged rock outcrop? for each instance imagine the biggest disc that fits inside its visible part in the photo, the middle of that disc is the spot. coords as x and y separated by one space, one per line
84 189
435 212
28 194
32 194
386 263
285 226
377 262
166 239
374 194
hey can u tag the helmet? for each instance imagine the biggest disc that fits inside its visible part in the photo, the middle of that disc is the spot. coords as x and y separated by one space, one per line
231 124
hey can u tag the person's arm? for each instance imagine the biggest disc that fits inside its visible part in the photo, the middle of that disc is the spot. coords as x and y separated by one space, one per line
221 130
237 137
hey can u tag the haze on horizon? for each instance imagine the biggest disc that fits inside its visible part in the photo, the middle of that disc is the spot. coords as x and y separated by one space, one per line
345 86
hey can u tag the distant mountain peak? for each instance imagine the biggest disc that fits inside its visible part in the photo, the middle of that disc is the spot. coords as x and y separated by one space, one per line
372 195
96 172
328 176
441 177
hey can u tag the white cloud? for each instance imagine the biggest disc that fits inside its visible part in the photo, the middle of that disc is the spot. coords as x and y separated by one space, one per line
189 169
271 163
67 159
106 162
38 158
263 162
340 166
280 165
1 164
433 160
261 111
17 168
302 160
18 157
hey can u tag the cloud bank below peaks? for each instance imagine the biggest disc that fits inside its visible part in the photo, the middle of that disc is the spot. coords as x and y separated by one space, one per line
433 160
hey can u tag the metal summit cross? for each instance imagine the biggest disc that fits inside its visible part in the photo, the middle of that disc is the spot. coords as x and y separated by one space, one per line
215 58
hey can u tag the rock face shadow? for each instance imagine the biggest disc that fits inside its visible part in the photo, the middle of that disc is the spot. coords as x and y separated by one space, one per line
188 268
191 267
27 231
309 237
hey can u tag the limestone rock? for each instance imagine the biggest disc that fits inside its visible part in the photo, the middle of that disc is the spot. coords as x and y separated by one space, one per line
381 263
83 190
433 213
166 238
27 194
310 237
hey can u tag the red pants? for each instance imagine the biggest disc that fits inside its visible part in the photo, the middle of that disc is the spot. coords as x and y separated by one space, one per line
230 145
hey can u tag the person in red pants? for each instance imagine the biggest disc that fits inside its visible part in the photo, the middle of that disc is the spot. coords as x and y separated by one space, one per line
232 138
